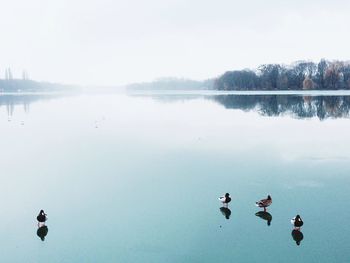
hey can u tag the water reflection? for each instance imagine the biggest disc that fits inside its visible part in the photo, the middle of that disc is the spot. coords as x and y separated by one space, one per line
42 232
13 101
297 236
296 106
226 212
265 216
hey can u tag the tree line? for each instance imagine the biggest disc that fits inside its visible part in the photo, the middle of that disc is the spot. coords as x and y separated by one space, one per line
301 75
10 84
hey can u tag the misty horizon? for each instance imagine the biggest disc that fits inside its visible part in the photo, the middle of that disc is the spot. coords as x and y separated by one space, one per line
24 75
117 42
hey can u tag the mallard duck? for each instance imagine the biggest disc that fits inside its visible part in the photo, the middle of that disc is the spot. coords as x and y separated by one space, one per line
297 222
41 217
225 199
264 202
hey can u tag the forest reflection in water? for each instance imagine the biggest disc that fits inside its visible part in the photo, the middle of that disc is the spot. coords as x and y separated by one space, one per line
296 106
13 101
322 107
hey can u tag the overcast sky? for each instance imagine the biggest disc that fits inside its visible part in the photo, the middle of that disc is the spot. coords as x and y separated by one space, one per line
112 42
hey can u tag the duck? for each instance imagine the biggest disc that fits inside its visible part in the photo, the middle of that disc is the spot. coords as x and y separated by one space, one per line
41 217
297 222
264 202
225 199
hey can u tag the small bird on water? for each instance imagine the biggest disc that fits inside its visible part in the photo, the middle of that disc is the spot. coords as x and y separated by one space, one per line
225 199
41 217
297 222
264 202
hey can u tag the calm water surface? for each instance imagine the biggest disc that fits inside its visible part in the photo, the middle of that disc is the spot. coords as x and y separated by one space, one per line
127 178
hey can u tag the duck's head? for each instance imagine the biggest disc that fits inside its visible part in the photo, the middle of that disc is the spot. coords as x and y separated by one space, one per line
227 195
297 217
269 197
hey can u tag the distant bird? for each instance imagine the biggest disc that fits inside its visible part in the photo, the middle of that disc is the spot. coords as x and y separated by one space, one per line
265 215
41 217
42 232
297 236
225 199
226 212
264 202
297 222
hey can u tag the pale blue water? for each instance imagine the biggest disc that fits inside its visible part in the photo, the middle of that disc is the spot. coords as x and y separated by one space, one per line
136 178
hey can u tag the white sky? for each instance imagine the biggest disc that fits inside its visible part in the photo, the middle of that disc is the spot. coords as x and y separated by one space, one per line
112 42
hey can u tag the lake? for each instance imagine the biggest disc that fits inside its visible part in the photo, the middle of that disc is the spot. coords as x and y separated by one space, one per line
136 177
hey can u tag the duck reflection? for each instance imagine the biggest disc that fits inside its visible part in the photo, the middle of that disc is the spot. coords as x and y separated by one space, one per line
226 212
297 236
42 232
265 215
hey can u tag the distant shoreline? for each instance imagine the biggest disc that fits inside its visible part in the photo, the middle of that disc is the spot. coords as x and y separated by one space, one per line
190 92
252 92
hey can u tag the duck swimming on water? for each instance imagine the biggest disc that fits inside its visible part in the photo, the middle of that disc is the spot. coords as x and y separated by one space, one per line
297 222
225 199
41 217
264 202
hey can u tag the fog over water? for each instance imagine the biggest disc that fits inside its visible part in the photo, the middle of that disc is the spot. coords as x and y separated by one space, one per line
116 119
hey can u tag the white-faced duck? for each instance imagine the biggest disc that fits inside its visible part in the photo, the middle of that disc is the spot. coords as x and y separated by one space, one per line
225 199
41 217
263 203
297 222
